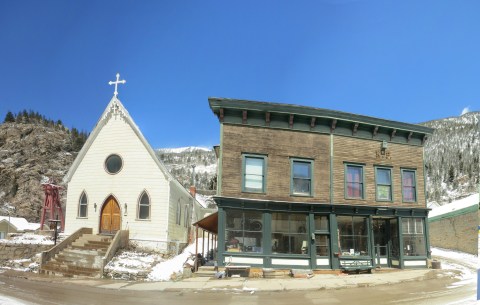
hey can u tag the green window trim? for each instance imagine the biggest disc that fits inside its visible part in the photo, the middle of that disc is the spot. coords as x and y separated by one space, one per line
263 158
403 171
377 183
362 182
299 161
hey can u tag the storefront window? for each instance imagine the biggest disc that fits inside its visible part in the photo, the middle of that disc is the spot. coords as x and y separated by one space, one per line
243 231
413 237
394 238
353 236
289 233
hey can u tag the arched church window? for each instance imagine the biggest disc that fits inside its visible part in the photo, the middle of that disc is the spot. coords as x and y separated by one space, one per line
144 206
186 221
82 205
178 220
113 164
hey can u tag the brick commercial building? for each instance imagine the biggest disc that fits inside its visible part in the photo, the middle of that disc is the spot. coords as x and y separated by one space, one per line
302 187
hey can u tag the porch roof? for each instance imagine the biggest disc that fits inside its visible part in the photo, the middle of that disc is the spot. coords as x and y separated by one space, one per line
209 223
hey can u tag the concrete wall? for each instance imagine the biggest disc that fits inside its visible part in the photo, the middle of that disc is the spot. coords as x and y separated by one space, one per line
457 232
19 251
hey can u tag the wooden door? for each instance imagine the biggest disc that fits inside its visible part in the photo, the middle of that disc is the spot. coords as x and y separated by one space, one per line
110 219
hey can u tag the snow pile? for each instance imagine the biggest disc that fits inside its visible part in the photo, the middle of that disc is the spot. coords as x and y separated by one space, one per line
455 206
465 263
164 270
23 265
132 265
28 238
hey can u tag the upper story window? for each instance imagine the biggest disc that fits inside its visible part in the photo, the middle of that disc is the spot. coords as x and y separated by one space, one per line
113 164
144 206
354 181
82 205
254 169
383 177
301 183
409 185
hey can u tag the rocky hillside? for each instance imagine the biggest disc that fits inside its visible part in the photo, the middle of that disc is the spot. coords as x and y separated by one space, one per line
180 162
452 157
31 148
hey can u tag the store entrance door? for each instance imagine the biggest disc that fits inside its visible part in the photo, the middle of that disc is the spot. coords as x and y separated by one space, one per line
381 242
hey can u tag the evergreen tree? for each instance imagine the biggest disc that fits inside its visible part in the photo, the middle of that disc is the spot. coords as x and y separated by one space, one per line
9 118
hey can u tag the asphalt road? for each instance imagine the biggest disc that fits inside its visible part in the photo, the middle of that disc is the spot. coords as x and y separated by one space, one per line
39 291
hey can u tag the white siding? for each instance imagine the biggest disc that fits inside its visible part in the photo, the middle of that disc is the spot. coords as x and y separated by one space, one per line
178 196
139 173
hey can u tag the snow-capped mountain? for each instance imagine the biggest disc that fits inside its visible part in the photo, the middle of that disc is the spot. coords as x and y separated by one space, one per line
452 158
180 162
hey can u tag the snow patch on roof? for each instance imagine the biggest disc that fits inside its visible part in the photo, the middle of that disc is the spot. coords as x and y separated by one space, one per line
455 205
20 223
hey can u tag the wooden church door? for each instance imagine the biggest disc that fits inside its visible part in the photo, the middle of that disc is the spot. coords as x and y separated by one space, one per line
110 219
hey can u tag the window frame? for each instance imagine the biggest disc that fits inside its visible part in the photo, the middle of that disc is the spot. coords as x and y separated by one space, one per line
105 166
415 193
139 205
362 167
311 179
377 183
186 217
245 156
80 205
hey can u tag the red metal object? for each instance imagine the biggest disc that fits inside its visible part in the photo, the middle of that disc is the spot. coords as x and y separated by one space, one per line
51 204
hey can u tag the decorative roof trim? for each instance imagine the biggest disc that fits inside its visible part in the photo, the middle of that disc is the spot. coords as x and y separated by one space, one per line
247 105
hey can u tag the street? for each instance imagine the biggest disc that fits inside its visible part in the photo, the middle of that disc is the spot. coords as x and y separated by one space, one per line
16 289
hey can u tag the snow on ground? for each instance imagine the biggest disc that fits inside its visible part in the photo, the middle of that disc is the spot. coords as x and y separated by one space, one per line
455 205
28 238
466 264
164 270
132 265
4 300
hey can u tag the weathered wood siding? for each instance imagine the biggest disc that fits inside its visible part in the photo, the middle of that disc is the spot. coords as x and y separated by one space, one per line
349 149
279 146
139 173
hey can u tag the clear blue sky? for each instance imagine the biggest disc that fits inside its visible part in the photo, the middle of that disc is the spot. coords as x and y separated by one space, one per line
410 61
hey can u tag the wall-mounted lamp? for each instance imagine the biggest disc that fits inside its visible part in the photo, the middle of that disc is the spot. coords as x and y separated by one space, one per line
95 206
125 209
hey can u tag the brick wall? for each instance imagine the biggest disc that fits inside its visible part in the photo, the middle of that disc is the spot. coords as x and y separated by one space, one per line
19 251
457 233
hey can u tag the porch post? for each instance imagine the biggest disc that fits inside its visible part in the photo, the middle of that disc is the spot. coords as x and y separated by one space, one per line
208 243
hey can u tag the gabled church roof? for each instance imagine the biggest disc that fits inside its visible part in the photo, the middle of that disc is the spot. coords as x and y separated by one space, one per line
115 107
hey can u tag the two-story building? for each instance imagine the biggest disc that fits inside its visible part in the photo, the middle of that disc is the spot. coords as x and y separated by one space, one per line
302 187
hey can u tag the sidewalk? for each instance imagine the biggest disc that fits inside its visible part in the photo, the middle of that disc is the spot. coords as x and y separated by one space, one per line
318 282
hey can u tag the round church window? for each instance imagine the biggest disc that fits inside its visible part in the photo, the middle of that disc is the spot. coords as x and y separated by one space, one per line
113 164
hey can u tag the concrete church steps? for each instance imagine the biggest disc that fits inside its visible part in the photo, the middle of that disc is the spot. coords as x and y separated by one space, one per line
83 257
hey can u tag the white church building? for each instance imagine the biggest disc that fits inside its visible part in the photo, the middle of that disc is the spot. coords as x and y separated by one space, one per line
117 183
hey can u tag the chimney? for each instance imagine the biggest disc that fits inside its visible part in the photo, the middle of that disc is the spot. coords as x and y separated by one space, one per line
193 191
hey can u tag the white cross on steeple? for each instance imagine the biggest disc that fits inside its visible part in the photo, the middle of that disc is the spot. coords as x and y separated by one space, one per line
116 83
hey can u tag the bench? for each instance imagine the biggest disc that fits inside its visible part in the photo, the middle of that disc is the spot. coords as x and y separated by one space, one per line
356 265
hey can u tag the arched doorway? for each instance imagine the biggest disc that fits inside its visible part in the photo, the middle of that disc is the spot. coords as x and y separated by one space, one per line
110 216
